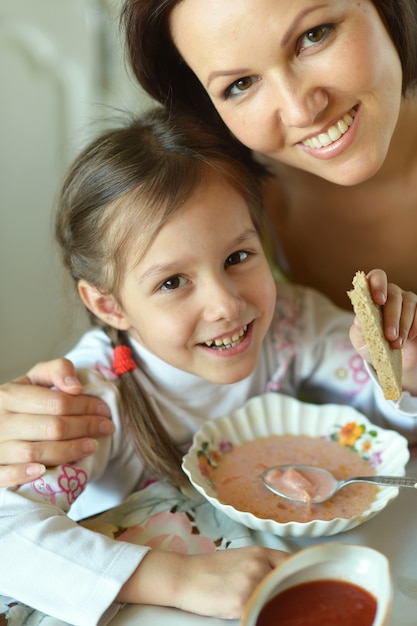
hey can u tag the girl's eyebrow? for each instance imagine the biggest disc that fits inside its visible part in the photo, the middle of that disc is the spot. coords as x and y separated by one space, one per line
158 269
169 269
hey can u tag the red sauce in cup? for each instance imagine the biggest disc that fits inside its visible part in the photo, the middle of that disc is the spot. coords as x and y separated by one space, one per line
318 602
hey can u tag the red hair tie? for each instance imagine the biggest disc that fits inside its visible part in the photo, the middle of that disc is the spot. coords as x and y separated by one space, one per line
122 360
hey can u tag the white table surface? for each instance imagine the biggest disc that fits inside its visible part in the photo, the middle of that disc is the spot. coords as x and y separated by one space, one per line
392 532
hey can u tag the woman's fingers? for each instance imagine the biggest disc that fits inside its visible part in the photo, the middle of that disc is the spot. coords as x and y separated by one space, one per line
46 452
23 397
13 475
400 316
378 284
42 426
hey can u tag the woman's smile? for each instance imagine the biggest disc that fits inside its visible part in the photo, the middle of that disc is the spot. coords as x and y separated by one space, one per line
332 134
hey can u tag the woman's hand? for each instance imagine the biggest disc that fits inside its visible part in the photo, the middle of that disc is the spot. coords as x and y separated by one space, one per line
41 426
399 309
218 584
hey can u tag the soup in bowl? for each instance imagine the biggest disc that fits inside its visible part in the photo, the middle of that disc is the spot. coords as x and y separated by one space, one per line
334 584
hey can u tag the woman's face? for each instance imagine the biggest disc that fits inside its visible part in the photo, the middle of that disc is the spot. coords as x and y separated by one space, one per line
315 84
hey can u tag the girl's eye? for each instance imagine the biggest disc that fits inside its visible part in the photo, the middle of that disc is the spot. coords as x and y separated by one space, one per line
315 36
174 282
236 257
239 86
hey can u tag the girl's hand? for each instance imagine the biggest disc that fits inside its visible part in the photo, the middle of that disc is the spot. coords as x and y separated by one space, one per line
399 310
41 426
218 584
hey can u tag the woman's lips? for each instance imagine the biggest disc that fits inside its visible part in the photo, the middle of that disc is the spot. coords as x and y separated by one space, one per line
333 133
337 146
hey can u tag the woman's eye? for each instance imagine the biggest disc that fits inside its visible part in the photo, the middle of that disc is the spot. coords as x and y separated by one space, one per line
236 257
174 282
314 36
239 86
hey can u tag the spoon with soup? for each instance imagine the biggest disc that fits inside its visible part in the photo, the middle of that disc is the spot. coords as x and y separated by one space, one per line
314 485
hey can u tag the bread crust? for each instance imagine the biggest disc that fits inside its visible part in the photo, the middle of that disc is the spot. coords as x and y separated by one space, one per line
386 361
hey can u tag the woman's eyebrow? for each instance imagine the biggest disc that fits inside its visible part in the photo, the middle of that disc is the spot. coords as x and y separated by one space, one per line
298 18
242 71
239 70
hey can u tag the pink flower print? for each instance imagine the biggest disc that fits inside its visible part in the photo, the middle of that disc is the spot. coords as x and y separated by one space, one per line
273 386
41 487
358 371
376 459
344 345
225 446
72 481
172 532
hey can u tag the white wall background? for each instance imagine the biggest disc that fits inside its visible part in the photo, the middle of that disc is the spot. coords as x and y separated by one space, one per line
62 72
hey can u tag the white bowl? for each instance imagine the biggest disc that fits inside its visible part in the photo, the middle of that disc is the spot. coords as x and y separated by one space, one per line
362 566
277 414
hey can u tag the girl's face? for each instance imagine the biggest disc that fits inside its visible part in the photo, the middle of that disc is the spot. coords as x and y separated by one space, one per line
202 298
315 84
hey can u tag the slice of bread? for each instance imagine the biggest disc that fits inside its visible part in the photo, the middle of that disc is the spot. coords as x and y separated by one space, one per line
386 361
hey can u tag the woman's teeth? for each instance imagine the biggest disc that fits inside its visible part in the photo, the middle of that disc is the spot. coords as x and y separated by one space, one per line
227 342
333 133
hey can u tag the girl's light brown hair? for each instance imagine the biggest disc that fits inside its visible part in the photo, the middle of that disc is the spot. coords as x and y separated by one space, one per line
117 195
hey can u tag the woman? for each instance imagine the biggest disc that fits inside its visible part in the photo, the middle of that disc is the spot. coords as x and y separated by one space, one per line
324 92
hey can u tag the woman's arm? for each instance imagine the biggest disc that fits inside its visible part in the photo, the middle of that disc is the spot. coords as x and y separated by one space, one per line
42 426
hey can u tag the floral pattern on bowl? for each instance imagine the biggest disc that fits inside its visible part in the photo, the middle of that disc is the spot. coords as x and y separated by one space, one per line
362 439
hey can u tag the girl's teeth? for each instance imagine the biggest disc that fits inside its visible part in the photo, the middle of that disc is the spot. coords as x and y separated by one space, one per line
333 133
227 342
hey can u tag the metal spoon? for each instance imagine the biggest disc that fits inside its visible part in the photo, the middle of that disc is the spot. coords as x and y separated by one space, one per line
309 484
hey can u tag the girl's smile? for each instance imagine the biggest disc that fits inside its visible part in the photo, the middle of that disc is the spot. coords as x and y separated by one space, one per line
202 297
312 84
229 341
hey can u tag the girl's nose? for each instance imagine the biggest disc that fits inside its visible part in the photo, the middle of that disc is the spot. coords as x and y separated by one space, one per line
299 104
222 302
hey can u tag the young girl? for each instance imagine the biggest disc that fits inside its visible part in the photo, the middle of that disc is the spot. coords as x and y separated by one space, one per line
161 227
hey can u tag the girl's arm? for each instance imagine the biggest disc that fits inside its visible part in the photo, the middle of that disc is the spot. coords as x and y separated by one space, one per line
86 575
217 584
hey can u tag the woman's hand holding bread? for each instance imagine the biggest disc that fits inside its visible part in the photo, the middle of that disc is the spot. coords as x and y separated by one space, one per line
385 331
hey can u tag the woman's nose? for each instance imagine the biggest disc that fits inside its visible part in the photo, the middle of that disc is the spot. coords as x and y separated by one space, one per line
299 104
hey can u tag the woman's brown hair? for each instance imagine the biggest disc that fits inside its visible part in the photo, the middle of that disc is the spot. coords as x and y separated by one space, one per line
162 72
117 195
